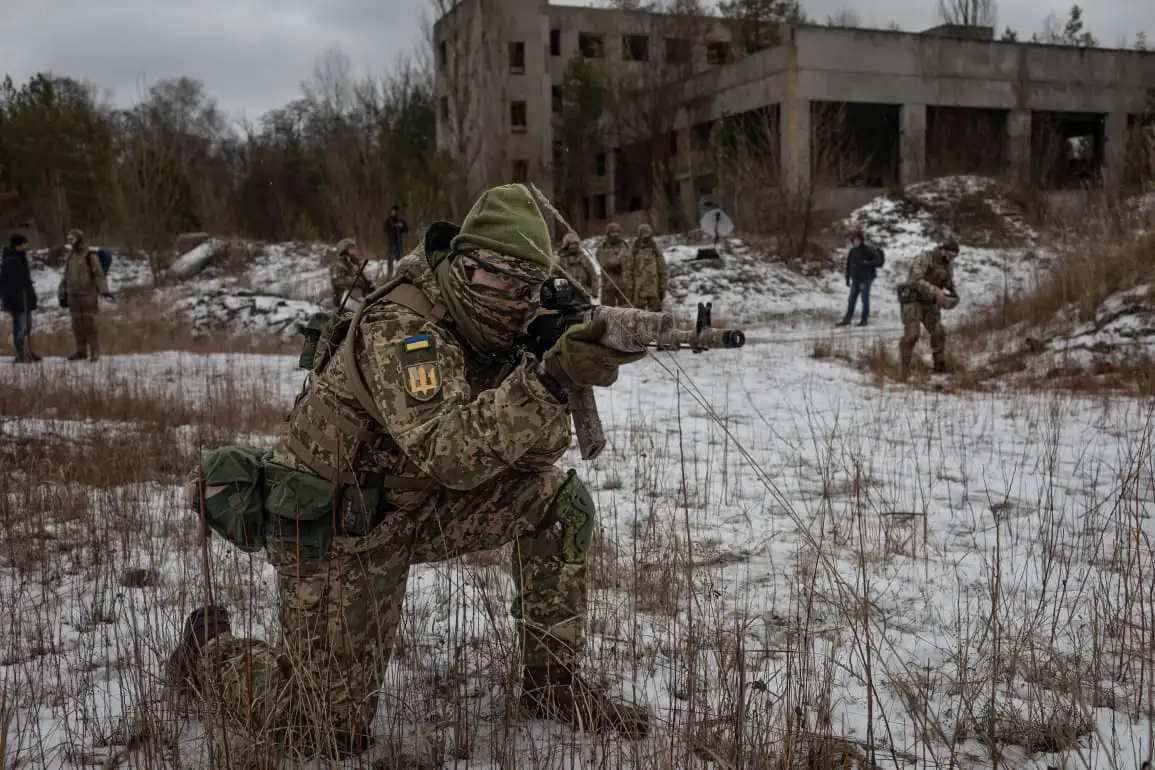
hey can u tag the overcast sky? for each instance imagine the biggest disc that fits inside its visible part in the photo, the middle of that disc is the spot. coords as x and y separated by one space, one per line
252 55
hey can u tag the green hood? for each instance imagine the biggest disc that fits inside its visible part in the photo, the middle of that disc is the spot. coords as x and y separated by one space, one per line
506 219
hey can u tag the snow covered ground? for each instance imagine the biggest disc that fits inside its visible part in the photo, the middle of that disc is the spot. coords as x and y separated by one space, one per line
895 565
930 576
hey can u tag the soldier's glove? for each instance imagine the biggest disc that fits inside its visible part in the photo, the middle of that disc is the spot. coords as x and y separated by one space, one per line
578 359
943 299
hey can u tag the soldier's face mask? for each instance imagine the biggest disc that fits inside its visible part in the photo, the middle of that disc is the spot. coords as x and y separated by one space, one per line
502 298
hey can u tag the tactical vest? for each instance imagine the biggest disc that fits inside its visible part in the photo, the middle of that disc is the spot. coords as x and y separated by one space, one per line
333 430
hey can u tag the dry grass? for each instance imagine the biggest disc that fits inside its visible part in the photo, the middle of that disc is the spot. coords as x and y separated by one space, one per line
137 325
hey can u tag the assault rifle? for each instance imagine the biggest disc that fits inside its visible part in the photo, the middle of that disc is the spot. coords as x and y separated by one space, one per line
628 330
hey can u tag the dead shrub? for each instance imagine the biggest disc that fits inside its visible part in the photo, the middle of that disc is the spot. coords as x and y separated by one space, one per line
1082 279
138 325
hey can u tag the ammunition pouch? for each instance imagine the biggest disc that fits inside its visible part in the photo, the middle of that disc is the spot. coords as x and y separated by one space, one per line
306 511
229 495
574 512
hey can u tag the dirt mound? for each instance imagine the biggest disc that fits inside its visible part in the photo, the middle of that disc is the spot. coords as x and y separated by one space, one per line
970 209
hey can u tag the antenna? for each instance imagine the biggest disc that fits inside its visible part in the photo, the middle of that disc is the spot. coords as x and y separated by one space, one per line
715 222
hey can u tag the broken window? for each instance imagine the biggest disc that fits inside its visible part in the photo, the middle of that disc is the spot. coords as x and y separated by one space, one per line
520 171
965 140
856 144
717 52
636 47
1067 149
442 54
674 143
555 99
518 116
600 164
555 42
517 57
601 207
700 136
591 46
677 50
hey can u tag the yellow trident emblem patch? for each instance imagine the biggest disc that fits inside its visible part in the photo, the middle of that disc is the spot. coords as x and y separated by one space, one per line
422 381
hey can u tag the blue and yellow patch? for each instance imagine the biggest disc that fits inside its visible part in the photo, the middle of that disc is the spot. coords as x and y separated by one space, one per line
420 342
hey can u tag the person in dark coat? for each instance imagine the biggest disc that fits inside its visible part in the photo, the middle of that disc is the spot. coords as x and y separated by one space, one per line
862 263
18 296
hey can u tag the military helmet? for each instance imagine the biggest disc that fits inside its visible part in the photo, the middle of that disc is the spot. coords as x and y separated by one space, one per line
613 228
344 245
570 239
950 245
645 231
76 233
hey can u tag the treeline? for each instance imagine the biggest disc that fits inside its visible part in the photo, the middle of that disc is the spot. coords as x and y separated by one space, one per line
328 164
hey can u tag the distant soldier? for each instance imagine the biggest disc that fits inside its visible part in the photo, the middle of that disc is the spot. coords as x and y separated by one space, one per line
347 277
571 263
81 286
928 289
611 256
645 277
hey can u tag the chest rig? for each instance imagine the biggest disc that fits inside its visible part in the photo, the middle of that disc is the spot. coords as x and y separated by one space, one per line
323 432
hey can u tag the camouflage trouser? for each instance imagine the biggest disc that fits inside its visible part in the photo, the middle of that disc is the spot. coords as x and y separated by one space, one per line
339 618
611 294
652 304
916 315
82 310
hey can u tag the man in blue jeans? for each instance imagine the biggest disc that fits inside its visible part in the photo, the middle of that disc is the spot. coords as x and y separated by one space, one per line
862 263
18 296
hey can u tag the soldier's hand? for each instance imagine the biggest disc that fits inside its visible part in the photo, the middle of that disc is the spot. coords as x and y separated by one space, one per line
578 359
943 299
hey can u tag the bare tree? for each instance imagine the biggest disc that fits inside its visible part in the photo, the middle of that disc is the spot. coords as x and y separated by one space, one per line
844 18
643 104
972 13
473 111
760 196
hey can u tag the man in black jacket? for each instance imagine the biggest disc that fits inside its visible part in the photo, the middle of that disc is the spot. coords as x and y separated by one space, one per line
862 263
18 296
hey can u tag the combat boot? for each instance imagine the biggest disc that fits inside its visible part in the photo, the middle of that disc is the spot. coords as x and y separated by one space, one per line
202 624
560 695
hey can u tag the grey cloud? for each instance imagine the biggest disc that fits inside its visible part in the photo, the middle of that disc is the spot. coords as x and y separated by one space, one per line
253 55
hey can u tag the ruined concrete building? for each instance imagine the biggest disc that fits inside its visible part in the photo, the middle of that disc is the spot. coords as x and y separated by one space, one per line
700 107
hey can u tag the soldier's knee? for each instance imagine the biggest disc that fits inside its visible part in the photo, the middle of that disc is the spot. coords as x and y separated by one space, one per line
573 513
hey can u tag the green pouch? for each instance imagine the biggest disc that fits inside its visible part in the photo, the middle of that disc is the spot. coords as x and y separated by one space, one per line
300 507
233 486
312 331
359 506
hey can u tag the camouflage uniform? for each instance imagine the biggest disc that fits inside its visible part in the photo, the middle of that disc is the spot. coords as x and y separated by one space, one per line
611 256
447 441
930 273
572 264
343 275
645 276
81 286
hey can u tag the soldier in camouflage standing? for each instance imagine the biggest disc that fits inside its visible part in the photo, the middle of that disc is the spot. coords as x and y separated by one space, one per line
928 289
438 438
347 277
611 256
645 277
81 286
573 265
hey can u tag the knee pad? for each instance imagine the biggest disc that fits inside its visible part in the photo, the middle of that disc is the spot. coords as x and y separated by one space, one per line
573 511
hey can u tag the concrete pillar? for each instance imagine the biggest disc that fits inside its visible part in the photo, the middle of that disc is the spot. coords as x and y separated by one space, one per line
611 181
795 144
1019 145
913 144
1115 149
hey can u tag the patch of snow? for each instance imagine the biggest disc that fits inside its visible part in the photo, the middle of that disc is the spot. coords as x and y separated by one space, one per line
816 524
245 311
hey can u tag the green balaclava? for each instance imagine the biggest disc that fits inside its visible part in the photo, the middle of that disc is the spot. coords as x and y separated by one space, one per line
507 230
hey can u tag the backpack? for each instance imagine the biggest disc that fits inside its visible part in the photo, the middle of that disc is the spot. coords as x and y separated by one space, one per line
105 260
881 256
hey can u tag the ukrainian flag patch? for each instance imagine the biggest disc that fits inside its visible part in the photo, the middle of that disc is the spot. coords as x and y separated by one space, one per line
420 342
